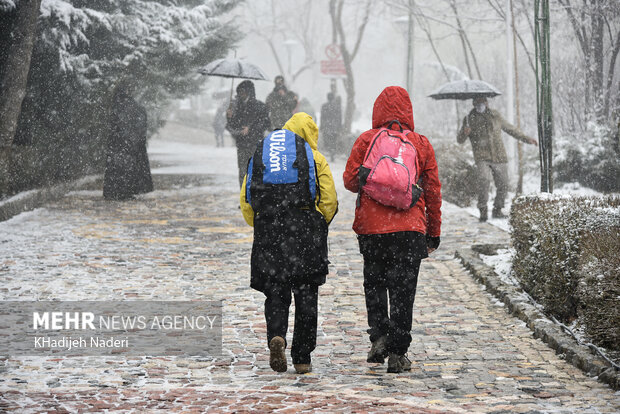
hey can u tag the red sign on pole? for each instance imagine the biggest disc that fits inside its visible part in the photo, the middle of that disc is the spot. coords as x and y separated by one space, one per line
334 66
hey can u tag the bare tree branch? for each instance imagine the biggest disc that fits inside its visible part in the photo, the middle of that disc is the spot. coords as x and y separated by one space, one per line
497 9
424 26
579 30
360 30
302 69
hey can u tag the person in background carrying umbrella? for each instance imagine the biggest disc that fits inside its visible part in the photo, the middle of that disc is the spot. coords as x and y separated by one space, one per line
483 126
248 119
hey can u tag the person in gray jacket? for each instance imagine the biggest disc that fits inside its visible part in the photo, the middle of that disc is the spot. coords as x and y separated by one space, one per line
483 126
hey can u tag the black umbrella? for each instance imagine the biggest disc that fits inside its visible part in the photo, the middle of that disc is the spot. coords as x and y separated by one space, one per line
465 89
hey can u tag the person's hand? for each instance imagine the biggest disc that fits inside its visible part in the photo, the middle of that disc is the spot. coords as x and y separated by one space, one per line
229 113
467 131
245 130
432 243
532 141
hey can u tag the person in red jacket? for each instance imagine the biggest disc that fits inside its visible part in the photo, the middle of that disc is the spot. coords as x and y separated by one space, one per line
392 241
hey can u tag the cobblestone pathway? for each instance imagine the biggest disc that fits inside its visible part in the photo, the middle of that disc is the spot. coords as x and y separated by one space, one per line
188 240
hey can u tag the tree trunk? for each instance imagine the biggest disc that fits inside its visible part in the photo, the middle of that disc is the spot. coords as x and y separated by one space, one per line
335 11
349 87
16 65
598 88
588 22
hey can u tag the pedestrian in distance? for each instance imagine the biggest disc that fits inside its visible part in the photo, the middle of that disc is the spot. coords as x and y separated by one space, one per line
289 197
281 103
483 126
248 120
219 123
331 124
304 105
127 171
397 219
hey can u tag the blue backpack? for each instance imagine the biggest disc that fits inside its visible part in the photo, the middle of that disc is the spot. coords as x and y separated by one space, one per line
281 174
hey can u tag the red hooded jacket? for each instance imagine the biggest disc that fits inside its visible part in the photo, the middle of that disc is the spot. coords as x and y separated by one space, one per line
372 217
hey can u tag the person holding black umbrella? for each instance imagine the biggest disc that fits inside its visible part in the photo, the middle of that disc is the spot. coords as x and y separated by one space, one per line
248 119
483 126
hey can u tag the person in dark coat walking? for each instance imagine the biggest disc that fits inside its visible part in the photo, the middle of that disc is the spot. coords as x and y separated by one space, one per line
331 124
127 170
289 252
393 241
248 119
281 103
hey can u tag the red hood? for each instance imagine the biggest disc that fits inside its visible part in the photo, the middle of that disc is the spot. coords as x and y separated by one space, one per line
393 104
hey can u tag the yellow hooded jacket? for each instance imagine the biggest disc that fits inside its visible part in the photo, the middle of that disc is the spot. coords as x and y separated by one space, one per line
303 125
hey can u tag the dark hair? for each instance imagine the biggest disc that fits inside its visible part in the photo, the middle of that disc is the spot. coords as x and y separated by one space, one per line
248 87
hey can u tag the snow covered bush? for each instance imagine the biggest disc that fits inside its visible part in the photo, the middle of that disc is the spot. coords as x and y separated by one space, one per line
590 158
457 172
566 257
599 287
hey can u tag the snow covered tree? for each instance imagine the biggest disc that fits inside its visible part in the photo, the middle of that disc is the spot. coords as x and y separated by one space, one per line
17 33
596 25
83 49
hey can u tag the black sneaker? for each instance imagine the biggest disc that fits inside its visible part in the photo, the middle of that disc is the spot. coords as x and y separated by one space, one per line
483 215
377 351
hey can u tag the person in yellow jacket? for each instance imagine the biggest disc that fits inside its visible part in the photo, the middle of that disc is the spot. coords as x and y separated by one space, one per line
289 252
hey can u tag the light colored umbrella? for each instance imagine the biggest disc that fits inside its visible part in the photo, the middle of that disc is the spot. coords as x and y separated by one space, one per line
233 68
465 89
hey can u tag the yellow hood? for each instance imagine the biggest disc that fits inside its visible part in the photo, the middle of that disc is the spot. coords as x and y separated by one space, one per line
303 125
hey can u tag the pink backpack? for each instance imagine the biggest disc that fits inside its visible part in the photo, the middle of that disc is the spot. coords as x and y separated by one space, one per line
390 171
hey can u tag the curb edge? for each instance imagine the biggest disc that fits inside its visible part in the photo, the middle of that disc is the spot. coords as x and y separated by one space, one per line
564 345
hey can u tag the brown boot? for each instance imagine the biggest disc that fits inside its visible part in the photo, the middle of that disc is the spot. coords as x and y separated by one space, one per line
395 365
377 351
277 358
303 368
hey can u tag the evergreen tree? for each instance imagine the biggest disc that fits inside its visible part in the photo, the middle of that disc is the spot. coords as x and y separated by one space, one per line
84 48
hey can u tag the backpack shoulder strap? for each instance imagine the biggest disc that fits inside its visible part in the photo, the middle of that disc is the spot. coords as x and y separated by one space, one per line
254 171
305 169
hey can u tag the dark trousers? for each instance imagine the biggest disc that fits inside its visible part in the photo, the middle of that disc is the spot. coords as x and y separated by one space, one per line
277 306
244 153
391 267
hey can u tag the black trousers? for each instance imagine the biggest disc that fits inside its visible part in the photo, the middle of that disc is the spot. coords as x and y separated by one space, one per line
277 306
391 267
